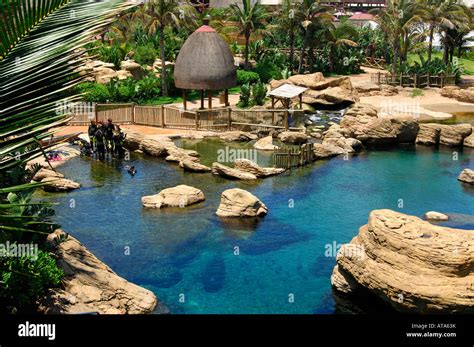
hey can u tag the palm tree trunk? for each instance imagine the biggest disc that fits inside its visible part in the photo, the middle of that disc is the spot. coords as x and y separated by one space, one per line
247 44
303 50
430 45
164 76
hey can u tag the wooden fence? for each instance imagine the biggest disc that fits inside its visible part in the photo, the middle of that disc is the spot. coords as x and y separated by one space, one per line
413 80
218 119
376 63
293 157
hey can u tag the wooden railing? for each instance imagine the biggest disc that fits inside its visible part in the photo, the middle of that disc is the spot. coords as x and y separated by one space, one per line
413 80
376 63
219 119
293 157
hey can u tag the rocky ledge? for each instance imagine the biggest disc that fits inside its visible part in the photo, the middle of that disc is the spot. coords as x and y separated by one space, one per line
411 264
240 203
91 286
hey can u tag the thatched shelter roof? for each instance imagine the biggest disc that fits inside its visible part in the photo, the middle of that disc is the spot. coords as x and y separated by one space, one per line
205 62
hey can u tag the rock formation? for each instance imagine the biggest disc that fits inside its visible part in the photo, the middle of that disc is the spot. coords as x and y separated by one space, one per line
253 168
228 172
179 196
467 176
57 184
293 137
411 264
237 136
45 173
192 166
436 216
265 144
91 286
240 203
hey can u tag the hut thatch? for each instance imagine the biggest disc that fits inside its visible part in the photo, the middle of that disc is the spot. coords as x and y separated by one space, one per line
205 62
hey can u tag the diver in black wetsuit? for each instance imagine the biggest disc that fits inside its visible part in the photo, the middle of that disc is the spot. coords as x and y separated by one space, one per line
119 138
100 141
109 135
131 170
91 132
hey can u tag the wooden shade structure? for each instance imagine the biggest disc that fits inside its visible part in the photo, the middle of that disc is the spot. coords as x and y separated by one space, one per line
205 63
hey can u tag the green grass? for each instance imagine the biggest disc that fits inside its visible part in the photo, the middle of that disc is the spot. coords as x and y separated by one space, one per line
467 63
193 95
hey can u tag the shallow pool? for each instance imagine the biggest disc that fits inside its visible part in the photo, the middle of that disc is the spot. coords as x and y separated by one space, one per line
220 266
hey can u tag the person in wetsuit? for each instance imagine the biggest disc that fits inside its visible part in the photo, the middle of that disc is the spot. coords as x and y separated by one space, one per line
109 135
119 138
91 132
99 138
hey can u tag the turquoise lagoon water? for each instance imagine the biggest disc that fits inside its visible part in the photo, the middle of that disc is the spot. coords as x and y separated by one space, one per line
284 255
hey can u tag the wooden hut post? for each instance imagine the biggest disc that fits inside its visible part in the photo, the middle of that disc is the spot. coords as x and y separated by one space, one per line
209 99
202 99
287 119
184 100
227 97
301 101
273 108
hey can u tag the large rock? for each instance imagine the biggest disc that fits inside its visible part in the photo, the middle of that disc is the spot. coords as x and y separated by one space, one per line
293 137
436 216
365 87
411 264
56 184
454 135
428 134
309 80
227 172
469 141
237 136
103 75
179 196
265 144
240 203
332 92
193 166
406 127
370 130
324 151
91 286
361 109
134 68
463 95
45 173
467 176
253 168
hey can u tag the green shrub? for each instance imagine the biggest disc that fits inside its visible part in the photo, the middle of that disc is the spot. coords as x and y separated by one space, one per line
259 94
268 70
145 55
416 92
148 88
112 54
24 279
94 92
245 93
247 77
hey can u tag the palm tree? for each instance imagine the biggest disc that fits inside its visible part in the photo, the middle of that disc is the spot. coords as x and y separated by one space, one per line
250 18
160 14
337 36
312 14
289 21
441 15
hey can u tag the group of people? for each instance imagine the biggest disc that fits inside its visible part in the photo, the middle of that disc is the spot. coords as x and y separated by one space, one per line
106 138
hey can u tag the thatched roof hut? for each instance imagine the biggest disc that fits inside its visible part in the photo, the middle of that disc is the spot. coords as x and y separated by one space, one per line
205 62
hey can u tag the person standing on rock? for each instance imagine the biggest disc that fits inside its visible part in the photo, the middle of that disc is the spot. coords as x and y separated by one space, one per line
91 132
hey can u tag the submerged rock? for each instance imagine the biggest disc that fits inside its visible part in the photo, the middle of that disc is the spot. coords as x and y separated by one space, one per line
227 172
91 286
179 196
467 176
411 264
253 168
240 203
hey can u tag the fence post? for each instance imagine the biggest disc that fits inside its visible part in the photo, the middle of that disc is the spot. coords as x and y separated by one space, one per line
197 119
429 78
289 158
415 80
95 113
379 77
133 113
229 119
163 116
